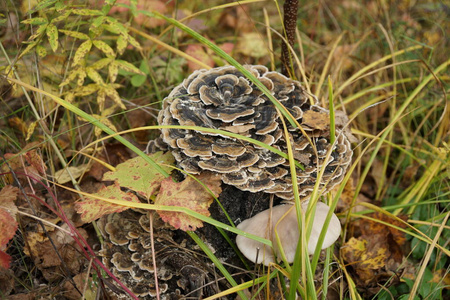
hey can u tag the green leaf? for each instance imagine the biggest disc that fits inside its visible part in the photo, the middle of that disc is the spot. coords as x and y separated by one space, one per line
138 175
104 47
81 52
87 12
138 80
52 34
124 65
35 21
75 34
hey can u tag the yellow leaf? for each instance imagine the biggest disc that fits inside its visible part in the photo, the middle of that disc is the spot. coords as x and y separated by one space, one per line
52 34
30 130
94 75
104 47
81 52
251 44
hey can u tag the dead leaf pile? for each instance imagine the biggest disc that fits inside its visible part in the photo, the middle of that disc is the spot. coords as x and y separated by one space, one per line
378 253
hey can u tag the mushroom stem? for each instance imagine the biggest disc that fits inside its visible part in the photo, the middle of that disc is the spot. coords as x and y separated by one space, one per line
285 220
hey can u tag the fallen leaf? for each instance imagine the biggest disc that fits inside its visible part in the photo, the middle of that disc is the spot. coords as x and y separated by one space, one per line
316 120
34 159
91 209
5 259
189 194
252 44
199 53
8 227
62 176
137 175
8 195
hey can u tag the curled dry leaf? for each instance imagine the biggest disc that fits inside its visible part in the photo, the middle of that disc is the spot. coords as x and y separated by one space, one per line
189 194
91 209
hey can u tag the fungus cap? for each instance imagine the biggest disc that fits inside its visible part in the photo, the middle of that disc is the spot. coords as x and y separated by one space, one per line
287 230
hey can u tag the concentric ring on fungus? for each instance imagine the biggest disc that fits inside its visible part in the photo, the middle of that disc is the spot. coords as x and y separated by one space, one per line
223 98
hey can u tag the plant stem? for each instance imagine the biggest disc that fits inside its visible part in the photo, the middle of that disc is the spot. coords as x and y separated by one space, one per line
290 8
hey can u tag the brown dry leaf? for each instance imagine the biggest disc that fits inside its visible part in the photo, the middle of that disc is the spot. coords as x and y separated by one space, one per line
370 227
237 18
8 195
91 209
252 45
8 224
189 194
62 176
137 175
341 57
316 120
366 257
19 124
43 252
198 52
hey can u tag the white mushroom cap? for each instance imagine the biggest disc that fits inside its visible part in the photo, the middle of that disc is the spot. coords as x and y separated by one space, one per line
287 230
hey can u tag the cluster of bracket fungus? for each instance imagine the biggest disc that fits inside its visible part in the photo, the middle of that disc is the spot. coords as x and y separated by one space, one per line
127 253
223 98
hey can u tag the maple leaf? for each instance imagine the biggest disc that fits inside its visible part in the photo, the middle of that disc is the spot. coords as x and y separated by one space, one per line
137 175
91 209
190 194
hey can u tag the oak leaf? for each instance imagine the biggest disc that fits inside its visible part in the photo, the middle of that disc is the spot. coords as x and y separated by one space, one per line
189 194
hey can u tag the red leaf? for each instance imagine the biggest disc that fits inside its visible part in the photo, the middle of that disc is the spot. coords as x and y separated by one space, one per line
92 209
8 227
5 259
190 194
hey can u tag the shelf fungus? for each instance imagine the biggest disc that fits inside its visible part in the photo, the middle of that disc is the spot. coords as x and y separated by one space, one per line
224 100
127 252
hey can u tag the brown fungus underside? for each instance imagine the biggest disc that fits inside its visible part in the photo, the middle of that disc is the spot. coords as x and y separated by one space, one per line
223 98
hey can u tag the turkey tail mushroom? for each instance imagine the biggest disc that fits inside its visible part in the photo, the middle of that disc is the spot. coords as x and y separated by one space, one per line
223 98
